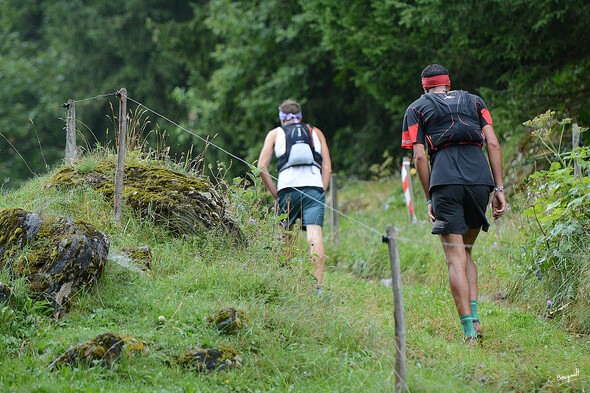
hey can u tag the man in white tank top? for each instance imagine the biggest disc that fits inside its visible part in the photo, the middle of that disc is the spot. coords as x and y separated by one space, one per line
302 180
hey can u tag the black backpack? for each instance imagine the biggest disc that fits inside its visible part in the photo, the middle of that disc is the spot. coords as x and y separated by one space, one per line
299 147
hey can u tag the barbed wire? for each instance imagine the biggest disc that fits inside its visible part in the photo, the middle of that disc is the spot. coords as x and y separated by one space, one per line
331 208
250 165
67 104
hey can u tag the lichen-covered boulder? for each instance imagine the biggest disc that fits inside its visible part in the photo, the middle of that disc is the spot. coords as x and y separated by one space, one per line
208 359
56 255
4 292
229 320
184 204
103 350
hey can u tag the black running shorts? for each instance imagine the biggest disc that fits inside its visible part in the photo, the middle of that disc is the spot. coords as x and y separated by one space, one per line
459 208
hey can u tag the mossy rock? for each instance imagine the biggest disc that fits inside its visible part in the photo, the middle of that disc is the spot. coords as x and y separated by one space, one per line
141 256
229 320
4 293
182 203
56 255
104 350
208 359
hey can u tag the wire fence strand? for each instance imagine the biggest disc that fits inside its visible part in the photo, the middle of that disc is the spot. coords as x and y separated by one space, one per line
94 98
334 211
210 143
495 247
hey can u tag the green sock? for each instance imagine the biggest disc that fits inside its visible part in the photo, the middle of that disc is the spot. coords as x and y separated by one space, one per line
474 309
467 323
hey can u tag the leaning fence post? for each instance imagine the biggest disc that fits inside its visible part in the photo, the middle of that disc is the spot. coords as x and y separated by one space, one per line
119 173
71 149
334 203
576 146
398 312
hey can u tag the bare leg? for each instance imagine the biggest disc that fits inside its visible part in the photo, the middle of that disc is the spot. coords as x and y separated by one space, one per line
456 263
471 269
316 247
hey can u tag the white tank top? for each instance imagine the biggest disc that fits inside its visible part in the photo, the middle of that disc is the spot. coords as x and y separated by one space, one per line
298 176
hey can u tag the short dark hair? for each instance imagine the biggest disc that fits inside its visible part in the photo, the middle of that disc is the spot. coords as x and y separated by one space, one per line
290 106
433 70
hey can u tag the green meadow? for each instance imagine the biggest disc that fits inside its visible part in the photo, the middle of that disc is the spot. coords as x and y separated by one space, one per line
294 340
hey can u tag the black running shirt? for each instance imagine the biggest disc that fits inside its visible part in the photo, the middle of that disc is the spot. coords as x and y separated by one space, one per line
450 124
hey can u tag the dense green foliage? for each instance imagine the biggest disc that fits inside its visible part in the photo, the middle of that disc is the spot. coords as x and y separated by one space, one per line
221 68
30 77
55 51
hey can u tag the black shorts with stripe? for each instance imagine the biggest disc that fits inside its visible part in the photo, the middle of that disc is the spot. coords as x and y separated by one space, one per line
459 208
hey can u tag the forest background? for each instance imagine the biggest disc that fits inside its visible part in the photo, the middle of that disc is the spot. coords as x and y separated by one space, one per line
220 68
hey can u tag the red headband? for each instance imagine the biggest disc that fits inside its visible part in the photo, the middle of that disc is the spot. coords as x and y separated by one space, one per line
437 80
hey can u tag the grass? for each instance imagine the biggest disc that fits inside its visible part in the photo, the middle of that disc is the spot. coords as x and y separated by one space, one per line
296 341
523 351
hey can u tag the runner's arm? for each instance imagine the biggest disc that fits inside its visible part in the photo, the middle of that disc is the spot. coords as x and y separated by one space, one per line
264 161
495 158
421 164
326 162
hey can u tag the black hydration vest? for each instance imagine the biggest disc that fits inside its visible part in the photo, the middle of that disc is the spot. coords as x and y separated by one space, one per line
299 148
456 121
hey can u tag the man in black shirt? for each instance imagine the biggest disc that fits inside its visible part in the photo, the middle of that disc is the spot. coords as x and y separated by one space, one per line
457 185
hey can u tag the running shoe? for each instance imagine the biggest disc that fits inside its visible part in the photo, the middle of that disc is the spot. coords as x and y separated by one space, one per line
478 331
470 341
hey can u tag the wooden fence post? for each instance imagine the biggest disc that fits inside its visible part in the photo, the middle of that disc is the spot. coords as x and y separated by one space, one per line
398 312
71 149
334 203
576 146
119 173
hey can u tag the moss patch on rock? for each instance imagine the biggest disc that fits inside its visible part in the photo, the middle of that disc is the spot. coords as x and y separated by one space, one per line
140 256
208 359
229 320
103 350
4 292
182 203
56 255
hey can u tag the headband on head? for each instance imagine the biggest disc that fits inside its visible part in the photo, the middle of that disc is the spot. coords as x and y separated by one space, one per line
436 80
289 116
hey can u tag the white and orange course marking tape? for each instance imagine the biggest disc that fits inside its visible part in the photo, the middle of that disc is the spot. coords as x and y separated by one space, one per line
407 190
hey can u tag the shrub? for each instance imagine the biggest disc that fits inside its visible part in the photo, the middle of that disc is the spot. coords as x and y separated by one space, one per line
555 257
